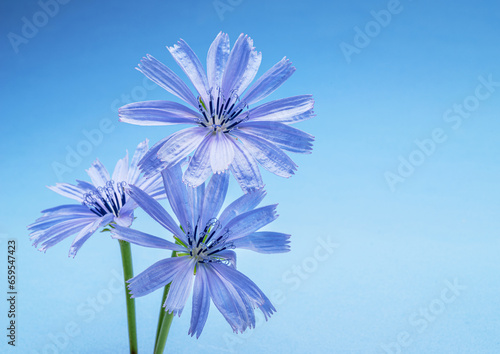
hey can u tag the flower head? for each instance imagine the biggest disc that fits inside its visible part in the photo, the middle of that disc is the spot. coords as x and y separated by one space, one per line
103 201
204 244
227 133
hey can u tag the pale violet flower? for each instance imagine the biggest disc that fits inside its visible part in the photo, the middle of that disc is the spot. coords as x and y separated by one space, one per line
226 133
205 262
102 202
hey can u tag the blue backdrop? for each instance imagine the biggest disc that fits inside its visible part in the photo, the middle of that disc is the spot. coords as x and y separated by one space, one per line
394 216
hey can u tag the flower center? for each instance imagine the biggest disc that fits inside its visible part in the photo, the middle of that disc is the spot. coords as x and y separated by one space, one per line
107 199
204 245
222 114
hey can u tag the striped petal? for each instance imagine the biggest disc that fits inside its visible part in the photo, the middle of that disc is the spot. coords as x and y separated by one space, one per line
190 64
157 113
167 79
268 155
180 145
269 82
285 110
217 59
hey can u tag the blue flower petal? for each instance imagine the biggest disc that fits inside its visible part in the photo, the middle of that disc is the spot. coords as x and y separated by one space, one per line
177 194
86 232
157 113
251 221
199 166
69 191
285 110
241 205
201 303
167 79
120 173
143 239
155 210
190 64
158 275
246 170
245 285
181 144
180 288
215 194
269 82
284 136
221 152
268 155
227 300
264 242
216 59
133 171
242 66
98 173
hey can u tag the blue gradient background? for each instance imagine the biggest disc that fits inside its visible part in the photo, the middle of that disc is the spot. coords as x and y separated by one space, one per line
396 249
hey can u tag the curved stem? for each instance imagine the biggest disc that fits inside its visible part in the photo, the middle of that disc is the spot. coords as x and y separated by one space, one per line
164 321
128 273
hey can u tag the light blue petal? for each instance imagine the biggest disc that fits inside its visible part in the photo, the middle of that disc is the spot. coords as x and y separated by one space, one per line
215 193
269 82
216 59
181 144
251 221
199 166
153 186
59 231
241 205
167 79
157 113
264 242
268 155
285 110
221 152
227 300
284 136
242 66
180 288
143 239
246 170
134 172
68 213
201 302
155 210
120 173
229 256
69 191
86 232
177 194
195 201
150 164
190 64
68 209
244 284
98 173
158 275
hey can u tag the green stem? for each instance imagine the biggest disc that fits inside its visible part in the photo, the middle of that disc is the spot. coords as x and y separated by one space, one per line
128 273
164 321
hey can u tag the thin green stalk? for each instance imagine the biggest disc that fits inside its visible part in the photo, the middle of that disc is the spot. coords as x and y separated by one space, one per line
164 321
128 273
